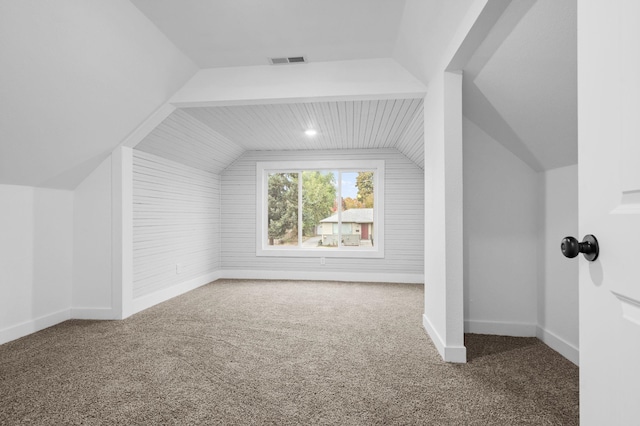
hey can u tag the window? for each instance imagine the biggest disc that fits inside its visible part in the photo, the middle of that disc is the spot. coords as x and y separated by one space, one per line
320 208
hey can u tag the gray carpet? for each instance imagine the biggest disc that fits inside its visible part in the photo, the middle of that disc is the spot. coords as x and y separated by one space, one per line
279 352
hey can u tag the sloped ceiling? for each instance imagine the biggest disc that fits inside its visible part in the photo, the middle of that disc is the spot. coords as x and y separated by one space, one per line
521 86
77 77
247 32
184 139
426 30
211 138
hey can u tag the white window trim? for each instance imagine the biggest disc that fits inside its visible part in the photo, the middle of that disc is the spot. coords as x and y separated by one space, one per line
264 167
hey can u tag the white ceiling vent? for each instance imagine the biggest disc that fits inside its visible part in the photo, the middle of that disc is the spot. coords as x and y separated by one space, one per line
288 60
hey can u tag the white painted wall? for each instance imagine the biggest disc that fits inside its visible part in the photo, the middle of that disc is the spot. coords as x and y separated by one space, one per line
431 46
16 260
53 251
404 228
92 246
35 259
122 231
501 238
443 314
78 77
176 228
558 276
517 283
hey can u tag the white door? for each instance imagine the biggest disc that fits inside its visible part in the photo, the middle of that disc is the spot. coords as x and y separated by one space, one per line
609 181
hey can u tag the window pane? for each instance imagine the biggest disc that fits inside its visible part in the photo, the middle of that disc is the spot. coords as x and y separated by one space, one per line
357 218
282 209
311 207
319 208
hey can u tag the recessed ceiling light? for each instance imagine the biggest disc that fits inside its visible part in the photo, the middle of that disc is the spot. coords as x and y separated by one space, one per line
311 132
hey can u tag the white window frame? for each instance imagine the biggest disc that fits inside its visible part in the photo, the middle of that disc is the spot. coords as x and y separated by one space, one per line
263 168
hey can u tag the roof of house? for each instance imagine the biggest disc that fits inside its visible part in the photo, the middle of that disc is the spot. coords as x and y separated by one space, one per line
352 216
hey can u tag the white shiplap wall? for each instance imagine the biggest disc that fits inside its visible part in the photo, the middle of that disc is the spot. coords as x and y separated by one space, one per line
404 217
176 220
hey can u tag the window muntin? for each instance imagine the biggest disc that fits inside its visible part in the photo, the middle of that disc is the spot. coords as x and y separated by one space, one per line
321 209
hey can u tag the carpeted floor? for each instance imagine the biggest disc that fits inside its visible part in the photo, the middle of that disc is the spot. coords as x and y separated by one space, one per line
279 352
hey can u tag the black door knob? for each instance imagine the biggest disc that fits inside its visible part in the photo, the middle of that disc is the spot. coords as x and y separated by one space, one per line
589 247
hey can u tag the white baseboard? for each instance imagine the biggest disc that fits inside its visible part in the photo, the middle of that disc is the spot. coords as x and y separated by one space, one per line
550 339
93 314
457 354
28 327
559 345
149 300
500 328
322 276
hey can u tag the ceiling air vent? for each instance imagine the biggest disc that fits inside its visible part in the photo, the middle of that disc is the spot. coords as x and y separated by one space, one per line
288 60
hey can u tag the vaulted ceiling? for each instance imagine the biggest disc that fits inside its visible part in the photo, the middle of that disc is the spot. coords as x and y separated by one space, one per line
520 87
245 33
79 77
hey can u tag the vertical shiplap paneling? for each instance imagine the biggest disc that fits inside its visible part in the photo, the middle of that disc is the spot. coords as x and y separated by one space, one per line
371 124
404 211
411 140
186 140
176 221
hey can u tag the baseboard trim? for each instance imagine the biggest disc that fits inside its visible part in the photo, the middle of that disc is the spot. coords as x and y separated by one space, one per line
322 276
144 302
559 345
456 354
149 300
28 327
501 328
93 314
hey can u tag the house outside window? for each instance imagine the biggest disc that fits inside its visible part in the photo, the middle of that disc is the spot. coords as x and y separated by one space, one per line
357 228
320 208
